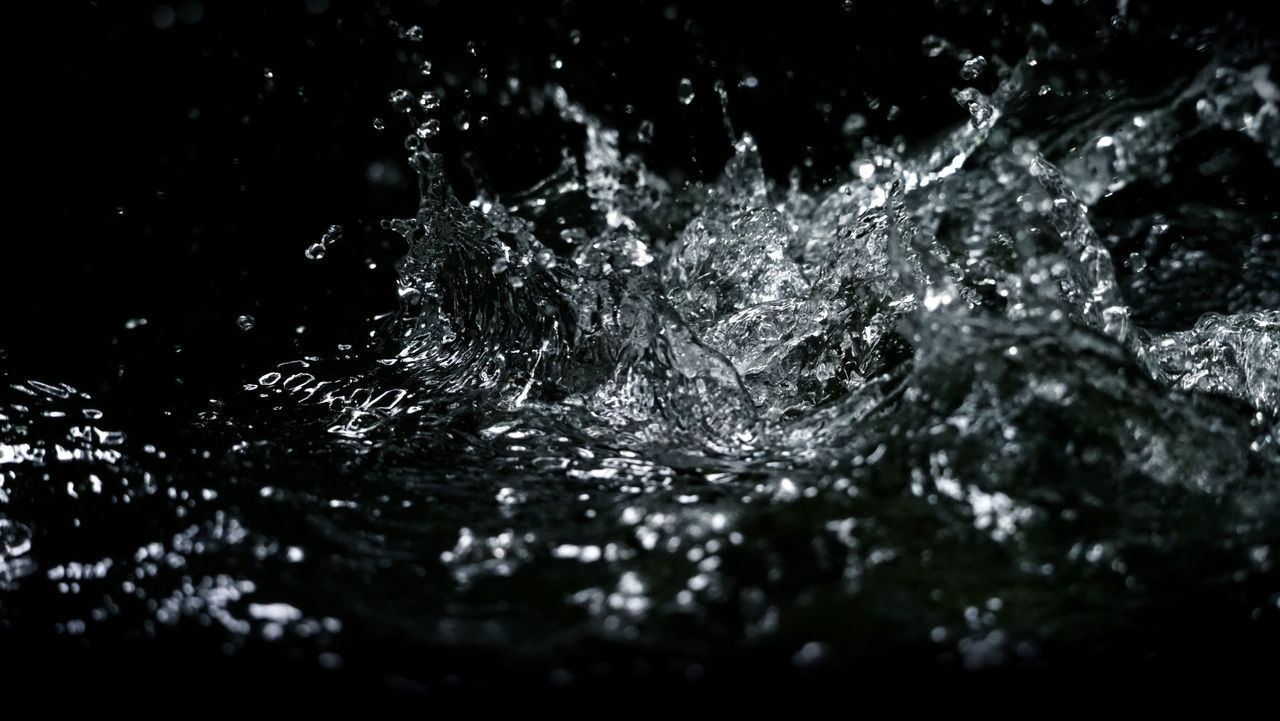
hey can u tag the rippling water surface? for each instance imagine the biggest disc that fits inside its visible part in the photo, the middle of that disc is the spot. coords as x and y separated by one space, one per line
1002 398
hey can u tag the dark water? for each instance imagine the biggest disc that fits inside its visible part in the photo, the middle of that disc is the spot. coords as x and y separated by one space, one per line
432 347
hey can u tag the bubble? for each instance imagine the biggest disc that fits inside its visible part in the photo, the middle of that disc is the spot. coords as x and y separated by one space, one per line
1137 263
973 67
848 5
425 67
414 34
245 322
429 101
379 124
429 129
315 251
686 91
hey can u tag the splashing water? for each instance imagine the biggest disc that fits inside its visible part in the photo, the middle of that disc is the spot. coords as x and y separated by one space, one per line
923 412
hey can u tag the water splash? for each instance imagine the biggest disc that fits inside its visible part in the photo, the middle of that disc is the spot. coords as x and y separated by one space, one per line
910 409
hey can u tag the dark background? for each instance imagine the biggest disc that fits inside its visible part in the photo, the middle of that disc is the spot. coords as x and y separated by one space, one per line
157 173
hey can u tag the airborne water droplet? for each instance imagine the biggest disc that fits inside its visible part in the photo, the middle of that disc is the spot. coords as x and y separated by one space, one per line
1137 263
979 107
429 129
686 91
399 99
315 251
973 67
429 101
245 322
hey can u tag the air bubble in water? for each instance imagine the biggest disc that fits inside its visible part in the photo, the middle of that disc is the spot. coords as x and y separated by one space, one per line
315 251
245 322
425 67
686 91
429 101
973 67
379 124
429 129
1137 263
644 133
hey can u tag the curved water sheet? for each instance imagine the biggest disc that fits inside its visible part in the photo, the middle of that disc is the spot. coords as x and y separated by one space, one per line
911 417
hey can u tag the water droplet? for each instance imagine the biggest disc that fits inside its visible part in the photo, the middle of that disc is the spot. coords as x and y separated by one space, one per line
315 251
854 124
425 67
266 73
686 91
973 67
400 99
1137 263
848 6
245 322
412 142
644 133
332 235
484 121
933 46
472 50
429 101
414 34
379 124
429 129
980 108
15 539
556 63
